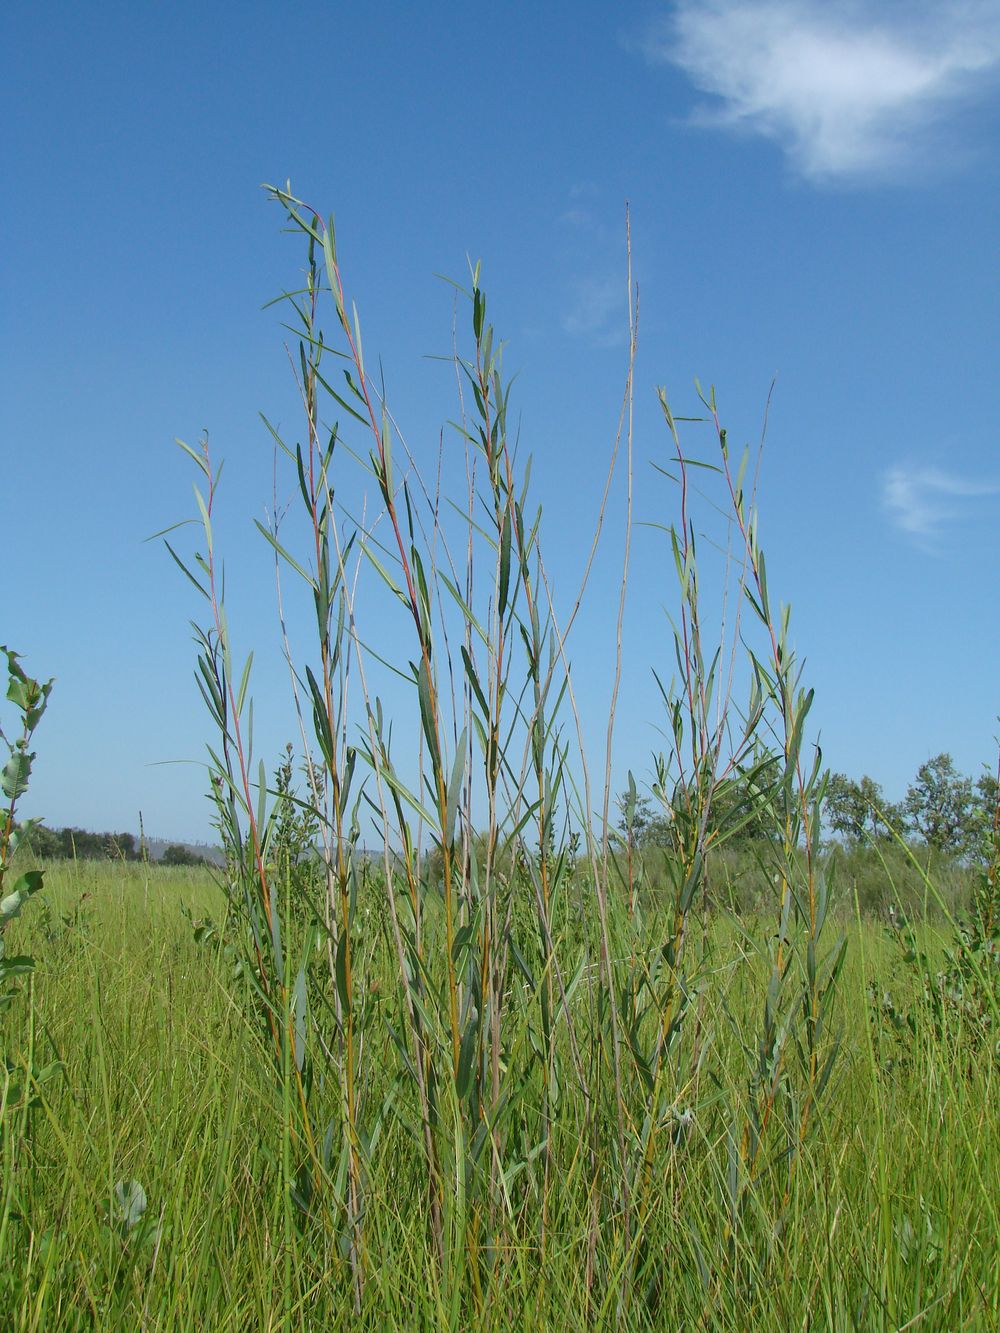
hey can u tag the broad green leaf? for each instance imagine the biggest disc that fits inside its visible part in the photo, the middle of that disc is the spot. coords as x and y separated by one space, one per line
15 774
24 886
130 1204
19 965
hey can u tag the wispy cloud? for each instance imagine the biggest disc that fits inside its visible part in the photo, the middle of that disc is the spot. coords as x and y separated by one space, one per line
848 88
598 310
594 282
922 501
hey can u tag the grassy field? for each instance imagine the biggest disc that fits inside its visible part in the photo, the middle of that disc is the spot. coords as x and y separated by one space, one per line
890 1219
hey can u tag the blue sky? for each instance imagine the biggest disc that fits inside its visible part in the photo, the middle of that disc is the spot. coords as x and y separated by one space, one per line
814 193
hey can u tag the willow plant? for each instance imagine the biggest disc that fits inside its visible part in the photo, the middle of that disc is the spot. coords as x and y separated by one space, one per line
756 753
464 1061
543 1051
29 699
22 1079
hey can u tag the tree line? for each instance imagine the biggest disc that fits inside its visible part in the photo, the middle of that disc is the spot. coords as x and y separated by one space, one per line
943 809
75 844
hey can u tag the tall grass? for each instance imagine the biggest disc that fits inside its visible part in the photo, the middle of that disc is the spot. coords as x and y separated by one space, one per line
168 1082
505 1072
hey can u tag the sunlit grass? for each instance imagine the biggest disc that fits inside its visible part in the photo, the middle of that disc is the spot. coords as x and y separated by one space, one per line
893 1214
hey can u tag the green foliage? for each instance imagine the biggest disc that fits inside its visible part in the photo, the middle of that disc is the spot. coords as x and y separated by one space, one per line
294 843
128 1220
74 844
177 855
29 699
959 999
943 809
877 878
940 807
23 1081
859 811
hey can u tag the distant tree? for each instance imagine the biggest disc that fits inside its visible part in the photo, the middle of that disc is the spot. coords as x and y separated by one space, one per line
988 795
657 829
176 855
985 842
858 810
635 816
44 842
78 844
844 807
121 845
82 845
941 807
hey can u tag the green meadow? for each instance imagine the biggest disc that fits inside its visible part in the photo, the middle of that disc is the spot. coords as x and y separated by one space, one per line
889 1219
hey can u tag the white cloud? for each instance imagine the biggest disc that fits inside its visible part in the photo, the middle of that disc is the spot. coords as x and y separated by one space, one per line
582 218
594 265
922 501
598 310
848 88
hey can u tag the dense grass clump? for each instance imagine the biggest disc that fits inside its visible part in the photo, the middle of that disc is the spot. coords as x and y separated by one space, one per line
442 1045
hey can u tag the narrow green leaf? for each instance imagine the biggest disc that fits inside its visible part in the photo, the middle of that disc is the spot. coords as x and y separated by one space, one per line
455 786
473 678
244 682
427 713
300 1009
504 584
270 538
389 581
467 1054
341 971
465 609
